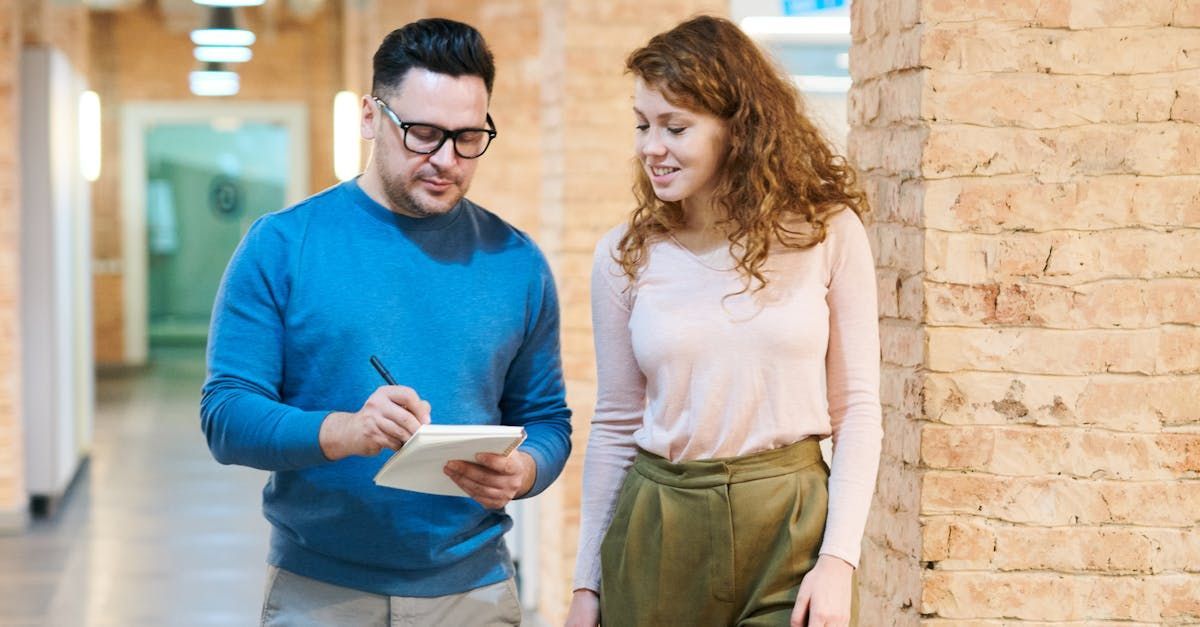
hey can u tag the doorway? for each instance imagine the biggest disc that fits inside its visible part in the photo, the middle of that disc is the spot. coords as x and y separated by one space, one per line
194 177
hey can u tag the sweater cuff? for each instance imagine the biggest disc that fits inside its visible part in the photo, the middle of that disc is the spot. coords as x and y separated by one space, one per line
300 442
847 553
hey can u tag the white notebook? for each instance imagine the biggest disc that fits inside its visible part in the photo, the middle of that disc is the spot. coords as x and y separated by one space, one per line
418 465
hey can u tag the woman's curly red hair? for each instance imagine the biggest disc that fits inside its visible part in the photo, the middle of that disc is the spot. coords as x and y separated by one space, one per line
779 173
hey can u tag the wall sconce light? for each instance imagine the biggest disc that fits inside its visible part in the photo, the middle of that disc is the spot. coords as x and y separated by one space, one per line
347 149
222 54
222 30
89 135
213 80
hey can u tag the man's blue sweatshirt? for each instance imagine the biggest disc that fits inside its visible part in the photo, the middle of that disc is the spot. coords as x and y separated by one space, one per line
461 307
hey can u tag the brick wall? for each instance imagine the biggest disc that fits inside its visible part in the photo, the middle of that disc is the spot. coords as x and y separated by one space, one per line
1034 168
12 462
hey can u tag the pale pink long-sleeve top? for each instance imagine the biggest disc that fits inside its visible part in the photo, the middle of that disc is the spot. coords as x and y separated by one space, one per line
687 372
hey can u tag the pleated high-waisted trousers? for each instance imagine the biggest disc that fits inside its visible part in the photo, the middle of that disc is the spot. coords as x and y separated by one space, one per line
715 542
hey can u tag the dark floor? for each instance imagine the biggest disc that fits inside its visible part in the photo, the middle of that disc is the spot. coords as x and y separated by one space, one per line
153 532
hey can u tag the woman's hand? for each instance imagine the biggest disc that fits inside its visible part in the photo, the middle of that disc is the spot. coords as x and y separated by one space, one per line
585 609
825 593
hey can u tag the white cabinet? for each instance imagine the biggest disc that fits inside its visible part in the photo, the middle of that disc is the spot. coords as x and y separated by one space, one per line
57 397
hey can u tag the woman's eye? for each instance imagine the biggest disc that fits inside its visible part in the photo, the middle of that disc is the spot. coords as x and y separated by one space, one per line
676 130
642 127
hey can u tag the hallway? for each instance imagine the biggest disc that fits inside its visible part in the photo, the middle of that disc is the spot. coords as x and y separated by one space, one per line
154 531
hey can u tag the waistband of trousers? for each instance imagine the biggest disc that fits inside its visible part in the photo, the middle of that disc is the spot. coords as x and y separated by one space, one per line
709 473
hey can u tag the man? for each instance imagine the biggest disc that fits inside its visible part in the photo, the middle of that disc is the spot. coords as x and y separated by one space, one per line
460 306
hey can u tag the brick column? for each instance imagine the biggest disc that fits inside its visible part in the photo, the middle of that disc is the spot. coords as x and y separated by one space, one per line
1035 167
13 499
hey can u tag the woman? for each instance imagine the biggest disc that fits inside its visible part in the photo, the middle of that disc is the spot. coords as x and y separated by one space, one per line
735 326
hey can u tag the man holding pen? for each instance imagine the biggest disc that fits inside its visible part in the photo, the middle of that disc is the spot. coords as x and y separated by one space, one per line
460 306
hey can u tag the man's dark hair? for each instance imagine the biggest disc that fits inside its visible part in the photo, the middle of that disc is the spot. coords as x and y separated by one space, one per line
435 44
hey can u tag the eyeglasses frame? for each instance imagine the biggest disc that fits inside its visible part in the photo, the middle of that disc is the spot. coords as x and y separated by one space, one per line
446 133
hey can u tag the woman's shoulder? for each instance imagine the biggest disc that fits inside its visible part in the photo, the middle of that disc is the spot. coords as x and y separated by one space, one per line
844 227
608 243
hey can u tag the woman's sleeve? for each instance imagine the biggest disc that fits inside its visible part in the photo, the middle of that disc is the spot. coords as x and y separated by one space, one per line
852 379
620 405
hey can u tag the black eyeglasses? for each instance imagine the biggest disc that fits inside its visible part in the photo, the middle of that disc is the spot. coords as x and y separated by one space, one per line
426 139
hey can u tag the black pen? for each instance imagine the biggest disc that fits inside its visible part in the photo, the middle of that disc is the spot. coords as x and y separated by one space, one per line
383 372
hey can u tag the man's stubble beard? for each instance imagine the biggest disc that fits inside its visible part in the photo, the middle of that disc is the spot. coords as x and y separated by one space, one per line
401 198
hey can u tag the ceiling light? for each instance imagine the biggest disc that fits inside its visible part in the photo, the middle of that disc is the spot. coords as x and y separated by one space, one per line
222 31
213 80
222 54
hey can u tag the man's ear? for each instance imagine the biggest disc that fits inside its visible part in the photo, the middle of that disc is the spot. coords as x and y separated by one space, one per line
369 112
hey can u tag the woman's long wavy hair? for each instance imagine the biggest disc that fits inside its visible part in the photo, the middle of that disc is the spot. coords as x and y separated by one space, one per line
779 173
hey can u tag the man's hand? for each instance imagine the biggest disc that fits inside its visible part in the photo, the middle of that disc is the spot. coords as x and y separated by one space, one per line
825 594
494 480
387 420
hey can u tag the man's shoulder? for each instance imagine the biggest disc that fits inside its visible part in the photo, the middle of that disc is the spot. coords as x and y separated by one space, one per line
293 221
493 228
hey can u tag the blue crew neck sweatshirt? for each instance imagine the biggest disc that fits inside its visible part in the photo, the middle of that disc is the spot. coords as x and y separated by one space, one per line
461 307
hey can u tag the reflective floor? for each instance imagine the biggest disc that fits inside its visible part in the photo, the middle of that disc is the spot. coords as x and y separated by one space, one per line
154 532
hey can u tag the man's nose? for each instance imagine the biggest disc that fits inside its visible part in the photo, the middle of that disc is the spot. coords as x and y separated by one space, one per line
444 156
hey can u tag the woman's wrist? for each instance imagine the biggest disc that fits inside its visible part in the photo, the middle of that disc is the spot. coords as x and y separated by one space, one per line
833 561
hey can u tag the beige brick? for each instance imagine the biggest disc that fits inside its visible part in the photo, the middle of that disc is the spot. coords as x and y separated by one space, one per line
1125 303
1106 549
1055 597
973 47
893 150
890 52
897 247
1186 107
957 447
898 493
1021 203
894 580
1001 622
1048 100
1061 258
1156 149
1115 13
893 202
1056 501
872 18
1082 453
897 531
900 389
1075 14
894 99
887 282
958 542
1044 351
902 343
1187 13
1129 403
1178 350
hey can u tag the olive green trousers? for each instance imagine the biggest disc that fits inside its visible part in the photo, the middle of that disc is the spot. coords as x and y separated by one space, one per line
714 542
